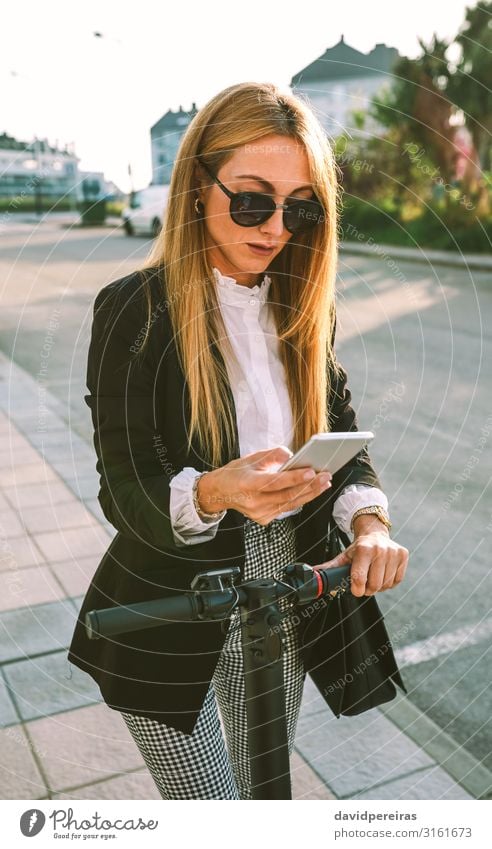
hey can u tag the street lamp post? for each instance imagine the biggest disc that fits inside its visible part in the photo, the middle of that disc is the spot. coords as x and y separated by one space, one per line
38 189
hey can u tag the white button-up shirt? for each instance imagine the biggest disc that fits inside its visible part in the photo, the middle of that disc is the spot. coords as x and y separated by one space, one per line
263 409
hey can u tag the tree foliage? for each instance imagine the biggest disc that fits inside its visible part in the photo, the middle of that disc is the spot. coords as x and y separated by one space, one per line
470 80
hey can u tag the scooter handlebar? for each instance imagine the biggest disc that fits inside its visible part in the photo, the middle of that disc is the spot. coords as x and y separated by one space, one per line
193 605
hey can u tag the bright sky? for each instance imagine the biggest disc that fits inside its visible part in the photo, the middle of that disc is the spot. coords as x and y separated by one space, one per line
104 94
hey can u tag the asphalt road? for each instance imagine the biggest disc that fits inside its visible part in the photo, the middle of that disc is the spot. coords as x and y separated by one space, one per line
416 343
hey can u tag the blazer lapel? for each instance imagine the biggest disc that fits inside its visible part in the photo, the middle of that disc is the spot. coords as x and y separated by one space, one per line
230 397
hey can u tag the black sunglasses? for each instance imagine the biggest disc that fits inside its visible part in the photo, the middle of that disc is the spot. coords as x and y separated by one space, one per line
248 209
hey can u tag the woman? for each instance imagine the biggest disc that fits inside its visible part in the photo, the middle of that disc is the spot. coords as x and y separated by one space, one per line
207 368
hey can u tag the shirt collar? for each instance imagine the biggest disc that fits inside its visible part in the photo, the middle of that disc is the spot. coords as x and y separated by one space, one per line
230 291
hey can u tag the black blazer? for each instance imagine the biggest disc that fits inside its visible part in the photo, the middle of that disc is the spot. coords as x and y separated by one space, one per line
140 414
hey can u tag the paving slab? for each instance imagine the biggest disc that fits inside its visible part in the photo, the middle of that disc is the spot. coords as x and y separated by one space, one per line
20 777
92 744
48 684
72 542
84 487
75 575
34 630
458 761
35 495
306 784
21 410
26 474
353 753
17 451
430 783
68 448
94 506
32 585
10 524
312 700
52 517
8 713
77 602
131 785
19 552
54 438
69 464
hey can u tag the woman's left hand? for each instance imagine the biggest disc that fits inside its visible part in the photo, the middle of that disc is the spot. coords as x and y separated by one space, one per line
378 562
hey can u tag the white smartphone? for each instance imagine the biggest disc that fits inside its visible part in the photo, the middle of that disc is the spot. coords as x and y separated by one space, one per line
328 451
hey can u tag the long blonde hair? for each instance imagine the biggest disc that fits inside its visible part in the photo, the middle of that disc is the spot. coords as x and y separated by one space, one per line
302 291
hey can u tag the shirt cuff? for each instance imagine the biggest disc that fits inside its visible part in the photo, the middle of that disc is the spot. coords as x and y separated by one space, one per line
352 498
188 527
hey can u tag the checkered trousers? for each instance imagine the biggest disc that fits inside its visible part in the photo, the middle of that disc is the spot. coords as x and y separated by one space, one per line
213 761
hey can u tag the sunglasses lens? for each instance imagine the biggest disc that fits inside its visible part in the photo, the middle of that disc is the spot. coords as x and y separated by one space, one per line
303 215
248 209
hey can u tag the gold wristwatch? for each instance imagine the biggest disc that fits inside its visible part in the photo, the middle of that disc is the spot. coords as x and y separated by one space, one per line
376 510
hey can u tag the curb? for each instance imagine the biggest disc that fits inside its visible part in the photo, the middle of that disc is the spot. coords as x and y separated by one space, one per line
430 257
65 221
450 755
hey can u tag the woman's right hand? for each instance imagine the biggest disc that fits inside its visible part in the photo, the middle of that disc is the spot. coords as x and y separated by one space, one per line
254 486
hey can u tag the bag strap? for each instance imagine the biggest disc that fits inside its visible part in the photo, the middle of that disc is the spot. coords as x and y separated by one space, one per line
336 541
344 538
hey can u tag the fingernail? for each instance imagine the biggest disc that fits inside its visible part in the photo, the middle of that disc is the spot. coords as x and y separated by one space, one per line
309 475
324 479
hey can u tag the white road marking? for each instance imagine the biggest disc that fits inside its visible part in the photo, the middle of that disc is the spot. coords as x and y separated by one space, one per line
423 650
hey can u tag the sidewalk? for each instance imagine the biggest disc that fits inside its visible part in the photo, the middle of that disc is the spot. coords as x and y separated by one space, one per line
58 739
63 219
476 262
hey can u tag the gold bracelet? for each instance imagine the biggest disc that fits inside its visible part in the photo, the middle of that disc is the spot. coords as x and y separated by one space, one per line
373 509
196 505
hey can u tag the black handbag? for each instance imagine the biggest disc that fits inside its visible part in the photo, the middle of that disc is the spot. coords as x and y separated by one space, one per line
347 650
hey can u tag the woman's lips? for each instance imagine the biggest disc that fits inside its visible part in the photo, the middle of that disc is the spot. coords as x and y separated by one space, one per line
260 249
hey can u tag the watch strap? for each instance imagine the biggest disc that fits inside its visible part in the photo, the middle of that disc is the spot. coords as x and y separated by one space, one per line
372 509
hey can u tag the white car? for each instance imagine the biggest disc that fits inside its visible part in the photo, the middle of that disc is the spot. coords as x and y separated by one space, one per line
145 211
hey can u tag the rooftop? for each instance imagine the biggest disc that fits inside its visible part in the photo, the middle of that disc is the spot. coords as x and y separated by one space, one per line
342 61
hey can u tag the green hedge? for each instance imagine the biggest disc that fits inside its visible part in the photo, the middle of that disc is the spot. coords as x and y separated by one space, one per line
454 228
27 204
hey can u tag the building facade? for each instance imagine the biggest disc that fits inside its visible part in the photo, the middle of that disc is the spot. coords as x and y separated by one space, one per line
344 80
339 82
31 169
165 137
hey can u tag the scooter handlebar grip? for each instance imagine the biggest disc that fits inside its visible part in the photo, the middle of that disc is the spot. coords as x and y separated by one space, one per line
336 578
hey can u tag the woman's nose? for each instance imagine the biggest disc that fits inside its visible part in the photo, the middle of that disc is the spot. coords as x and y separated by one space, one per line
275 224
